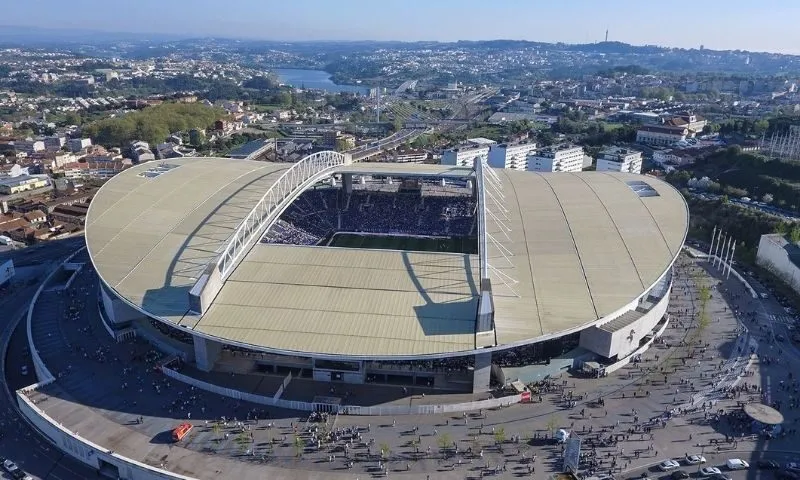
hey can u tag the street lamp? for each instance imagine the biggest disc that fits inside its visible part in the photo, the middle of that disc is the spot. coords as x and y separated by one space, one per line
702 453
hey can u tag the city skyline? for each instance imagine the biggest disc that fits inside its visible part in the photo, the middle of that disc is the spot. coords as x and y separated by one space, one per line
733 25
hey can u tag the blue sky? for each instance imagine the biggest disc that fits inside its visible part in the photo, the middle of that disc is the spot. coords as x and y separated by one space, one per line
764 25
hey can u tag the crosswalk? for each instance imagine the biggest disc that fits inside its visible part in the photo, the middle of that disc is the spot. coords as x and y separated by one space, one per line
787 320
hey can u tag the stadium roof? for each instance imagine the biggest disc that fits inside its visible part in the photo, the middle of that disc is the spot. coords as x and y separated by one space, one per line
584 246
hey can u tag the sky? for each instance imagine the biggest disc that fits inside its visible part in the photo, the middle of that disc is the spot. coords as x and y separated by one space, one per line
763 25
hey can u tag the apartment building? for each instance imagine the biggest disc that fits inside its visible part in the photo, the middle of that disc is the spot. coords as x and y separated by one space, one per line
78 144
97 170
561 158
22 183
29 146
617 159
464 156
661 135
694 123
515 157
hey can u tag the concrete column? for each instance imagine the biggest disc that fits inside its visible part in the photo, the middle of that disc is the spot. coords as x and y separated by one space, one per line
347 183
485 320
482 375
117 312
206 353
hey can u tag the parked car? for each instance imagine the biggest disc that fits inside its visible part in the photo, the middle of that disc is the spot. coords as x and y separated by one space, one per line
709 471
668 465
695 459
13 470
768 465
9 466
679 475
736 464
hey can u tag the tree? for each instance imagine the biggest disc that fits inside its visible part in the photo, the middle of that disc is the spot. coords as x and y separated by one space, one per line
444 441
283 98
341 145
767 198
499 435
794 234
385 451
552 424
299 446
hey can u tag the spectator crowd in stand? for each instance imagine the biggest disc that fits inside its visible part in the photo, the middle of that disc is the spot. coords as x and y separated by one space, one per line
320 212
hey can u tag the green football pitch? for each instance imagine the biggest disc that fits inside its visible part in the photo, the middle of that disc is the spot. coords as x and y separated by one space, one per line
404 242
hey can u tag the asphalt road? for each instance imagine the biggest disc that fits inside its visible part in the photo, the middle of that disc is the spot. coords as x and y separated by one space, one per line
43 252
18 440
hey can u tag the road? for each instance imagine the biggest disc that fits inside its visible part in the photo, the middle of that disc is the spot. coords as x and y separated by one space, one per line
43 252
375 148
18 440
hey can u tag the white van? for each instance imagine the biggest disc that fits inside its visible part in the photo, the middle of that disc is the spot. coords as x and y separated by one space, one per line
736 464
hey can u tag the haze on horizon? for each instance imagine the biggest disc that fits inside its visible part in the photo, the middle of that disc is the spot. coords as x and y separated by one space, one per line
768 25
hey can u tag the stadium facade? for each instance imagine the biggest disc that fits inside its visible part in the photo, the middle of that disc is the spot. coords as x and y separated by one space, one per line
448 277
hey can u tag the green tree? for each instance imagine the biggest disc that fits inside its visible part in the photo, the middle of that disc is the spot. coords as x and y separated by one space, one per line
299 446
444 440
283 98
551 425
385 450
341 145
499 435
794 234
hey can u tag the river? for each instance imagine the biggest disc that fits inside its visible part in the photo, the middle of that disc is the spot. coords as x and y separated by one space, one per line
317 79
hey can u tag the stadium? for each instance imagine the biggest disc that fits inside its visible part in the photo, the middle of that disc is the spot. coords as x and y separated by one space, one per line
445 278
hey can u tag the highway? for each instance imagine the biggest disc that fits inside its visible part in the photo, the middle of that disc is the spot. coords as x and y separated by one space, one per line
374 148
18 440
785 215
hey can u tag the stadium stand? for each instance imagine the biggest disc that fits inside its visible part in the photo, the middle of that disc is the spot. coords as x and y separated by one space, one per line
318 213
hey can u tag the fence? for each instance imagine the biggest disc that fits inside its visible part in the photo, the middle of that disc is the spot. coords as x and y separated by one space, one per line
735 274
345 409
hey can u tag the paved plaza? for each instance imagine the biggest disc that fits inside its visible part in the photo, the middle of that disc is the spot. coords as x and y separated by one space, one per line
681 397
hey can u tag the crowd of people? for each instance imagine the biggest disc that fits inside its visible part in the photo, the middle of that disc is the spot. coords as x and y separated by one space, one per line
535 353
320 212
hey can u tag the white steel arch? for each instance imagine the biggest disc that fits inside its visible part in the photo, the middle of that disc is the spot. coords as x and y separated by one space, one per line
306 171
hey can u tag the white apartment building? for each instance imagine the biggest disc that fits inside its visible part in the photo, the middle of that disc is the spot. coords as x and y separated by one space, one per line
661 135
514 157
617 159
562 158
465 156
